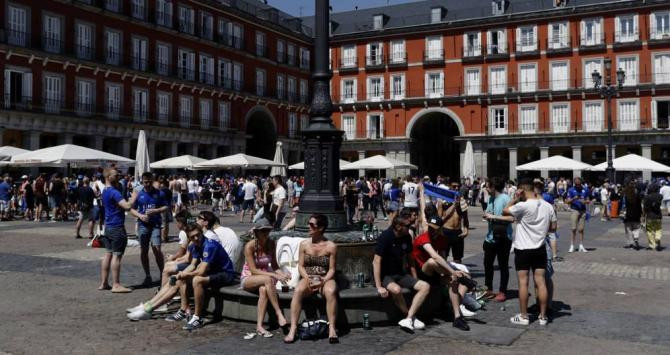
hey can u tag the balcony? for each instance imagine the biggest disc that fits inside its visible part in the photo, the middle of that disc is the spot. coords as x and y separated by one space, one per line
627 39
138 10
348 64
84 52
52 44
304 99
163 119
472 53
186 73
376 96
592 43
53 105
163 68
528 127
281 57
397 60
186 27
112 57
374 62
291 59
139 63
558 45
351 135
16 102
85 109
659 38
164 19
18 38
262 51
260 90
496 52
526 49
292 96
112 111
184 120
113 5
433 57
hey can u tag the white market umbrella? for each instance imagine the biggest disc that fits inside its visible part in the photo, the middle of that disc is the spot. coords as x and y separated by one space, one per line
279 159
68 154
7 152
633 162
180 162
301 165
237 161
378 162
141 156
469 170
556 162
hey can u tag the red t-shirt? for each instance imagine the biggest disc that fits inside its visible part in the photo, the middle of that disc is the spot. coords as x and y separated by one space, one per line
420 255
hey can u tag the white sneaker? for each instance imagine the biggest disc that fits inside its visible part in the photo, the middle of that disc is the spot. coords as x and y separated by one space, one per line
543 321
161 309
406 324
418 324
135 309
139 315
465 312
518 320
582 249
572 248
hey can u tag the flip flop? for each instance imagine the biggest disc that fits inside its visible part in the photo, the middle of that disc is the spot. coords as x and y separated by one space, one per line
106 288
121 290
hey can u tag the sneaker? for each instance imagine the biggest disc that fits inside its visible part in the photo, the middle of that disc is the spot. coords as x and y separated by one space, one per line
406 325
139 315
543 320
519 320
147 281
386 218
637 245
658 248
193 324
418 324
162 309
461 324
179 316
135 309
465 312
500 297
572 248
582 249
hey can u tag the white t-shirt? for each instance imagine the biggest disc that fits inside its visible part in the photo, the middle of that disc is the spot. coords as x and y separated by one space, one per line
211 235
533 219
183 239
665 191
192 186
411 192
279 194
229 241
604 194
249 190
387 188
99 186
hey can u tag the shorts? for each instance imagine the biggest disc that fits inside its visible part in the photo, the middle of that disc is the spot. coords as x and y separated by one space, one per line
193 196
578 220
549 271
455 243
40 200
221 279
4 206
148 234
406 281
58 201
87 215
97 213
552 236
412 209
115 240
248 204
527 259
175 198
182 266
394 206
666 203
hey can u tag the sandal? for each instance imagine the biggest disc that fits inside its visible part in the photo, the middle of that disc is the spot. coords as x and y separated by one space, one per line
265 334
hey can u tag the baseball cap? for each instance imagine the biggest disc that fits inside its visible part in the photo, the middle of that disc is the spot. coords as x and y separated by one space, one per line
435 222
263 224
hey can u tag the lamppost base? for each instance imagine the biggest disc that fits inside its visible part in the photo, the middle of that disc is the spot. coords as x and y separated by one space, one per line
610 172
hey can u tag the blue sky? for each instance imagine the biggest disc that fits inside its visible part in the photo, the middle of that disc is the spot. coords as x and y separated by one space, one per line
295 7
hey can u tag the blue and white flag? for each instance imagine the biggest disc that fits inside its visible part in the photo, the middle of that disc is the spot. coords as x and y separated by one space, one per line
440 192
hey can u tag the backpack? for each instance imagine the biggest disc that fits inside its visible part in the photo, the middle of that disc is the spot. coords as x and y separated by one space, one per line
240 191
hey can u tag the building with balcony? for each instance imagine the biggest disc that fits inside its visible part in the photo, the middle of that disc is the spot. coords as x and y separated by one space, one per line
201 77
417 81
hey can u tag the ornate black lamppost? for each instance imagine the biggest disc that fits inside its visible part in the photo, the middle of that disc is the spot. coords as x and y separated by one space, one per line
608 91
321 140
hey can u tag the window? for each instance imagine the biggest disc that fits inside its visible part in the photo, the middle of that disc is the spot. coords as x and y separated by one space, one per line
112 47
84 41
591 65
186 64
281 51
591 32
593 116
232 32
206 69
17 33
662 68
138 9
434 84
18 88
528 77
140 105
304 122
224 115
292 89
163 105
84 94
397 87
378 22
472 44
304 58
349 56
162 58
260 82
559 37
398 51
528 119
375 126
185 110
498 7
375 89
375 53
53 93
434 48
629 66
560 117
349 126
496 41
281 86
292 124
498 120
139 59
113 95
436 15
560 76
628 115
659 25
186 20
225 73
625 28
526 39
260 44
348 90
497 80
472 81
304 91
205 113
164 13
290 54
52 35
113 5
660 113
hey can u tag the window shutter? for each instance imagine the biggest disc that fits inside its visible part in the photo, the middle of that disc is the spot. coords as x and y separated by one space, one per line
652 25
636 28
355 90
27 87
582 32
381 126
535 37
466 45
654 114
502 41
617 29
488 42
518 39
599 31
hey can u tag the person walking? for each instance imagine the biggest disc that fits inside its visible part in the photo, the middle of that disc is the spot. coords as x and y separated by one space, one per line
631 221
85 197
665 192
652 217
578 198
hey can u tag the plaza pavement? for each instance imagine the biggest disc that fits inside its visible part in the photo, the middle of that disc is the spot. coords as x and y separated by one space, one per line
610 300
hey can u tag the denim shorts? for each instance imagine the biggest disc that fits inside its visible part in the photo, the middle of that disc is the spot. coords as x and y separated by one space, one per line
148 234
115 240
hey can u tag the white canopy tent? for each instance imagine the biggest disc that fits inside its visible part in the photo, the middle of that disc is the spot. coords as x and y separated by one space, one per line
301 165
180 162
279 159
556 162
469 170
378 162
68 154
141 156
237 161
7 152
633 162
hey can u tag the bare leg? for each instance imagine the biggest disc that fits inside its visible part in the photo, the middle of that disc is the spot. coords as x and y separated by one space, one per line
262 307
296 305
104 271
158 255
541 286
330 293
523 292
422 288
144 258
199 284
396 294
116 270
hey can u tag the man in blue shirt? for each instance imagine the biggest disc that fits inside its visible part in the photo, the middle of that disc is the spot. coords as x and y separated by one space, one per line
150 205
578 199
5 197
115 238
498 242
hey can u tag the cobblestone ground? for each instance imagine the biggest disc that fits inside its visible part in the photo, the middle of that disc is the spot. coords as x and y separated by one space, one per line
611 300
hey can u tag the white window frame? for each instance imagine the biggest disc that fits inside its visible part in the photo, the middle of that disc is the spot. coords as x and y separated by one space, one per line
375 95
353 96
526 127
378 22
630 125
139 107
281 86
305 58
304 91
654 18
186 64
53 99
559 84
632 34
140 53
526 85
164 13
53 37
524 44
163 111
206 72
84 104
113 105
370 134
398 56
261 82
472 48
292 88
292 124
473 89
397 94
596 35
163 63
631 79
654 110
430 90
18 22
587 79
186 19
281 51
493 121
113 50
84 47
378 57
436 15
206 111
593 125
660 77
562 40
224 115
261 40
206 25
349 125
435 52
499 88
560 124
501 35
185 110
138 9
349 59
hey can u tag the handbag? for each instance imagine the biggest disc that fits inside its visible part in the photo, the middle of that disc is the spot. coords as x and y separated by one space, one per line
290 267
96 242
313 330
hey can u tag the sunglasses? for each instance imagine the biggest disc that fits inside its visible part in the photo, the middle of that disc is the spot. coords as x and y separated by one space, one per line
313 225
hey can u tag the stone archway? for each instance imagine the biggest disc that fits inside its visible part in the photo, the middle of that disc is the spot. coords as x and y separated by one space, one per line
433 147
261 130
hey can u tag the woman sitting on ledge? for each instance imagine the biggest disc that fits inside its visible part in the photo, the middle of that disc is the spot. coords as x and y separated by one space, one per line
258 275
316 265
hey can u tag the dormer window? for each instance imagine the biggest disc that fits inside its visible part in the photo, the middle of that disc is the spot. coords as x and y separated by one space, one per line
560 3
378 22
332 27
436 14
499 6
